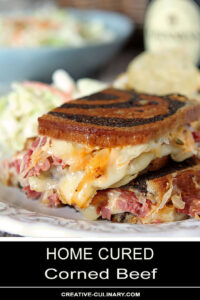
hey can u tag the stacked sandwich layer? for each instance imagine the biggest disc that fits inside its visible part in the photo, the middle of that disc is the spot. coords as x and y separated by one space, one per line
97 154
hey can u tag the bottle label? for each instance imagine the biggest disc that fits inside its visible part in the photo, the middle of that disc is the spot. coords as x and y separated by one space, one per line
173 24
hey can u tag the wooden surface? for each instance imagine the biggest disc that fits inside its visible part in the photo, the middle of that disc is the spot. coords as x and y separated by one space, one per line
135 9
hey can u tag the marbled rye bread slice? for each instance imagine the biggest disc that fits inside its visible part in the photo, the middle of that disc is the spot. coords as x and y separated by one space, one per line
116 117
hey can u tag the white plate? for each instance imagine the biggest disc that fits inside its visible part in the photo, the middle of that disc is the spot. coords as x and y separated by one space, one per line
19 215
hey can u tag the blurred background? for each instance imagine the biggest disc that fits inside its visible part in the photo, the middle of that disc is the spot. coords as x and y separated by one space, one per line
113 59
116 62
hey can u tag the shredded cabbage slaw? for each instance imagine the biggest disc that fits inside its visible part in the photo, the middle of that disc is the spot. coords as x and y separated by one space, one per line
20 109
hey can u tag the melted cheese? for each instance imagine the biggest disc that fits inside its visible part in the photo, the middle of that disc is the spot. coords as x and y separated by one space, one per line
91 169
90 213
68 185
41 183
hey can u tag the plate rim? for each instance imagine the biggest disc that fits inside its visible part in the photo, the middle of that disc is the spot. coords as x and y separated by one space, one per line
17 220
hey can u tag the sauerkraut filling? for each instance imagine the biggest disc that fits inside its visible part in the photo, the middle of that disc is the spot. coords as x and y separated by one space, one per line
140 208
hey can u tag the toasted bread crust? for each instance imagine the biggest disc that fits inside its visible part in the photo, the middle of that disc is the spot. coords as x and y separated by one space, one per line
114 118
160 180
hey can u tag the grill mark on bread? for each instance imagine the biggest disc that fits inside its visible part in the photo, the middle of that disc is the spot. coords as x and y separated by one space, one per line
110 122
136 100
141 182
133 102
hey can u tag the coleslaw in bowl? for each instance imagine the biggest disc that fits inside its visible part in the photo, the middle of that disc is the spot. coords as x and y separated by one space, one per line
79 51
52 27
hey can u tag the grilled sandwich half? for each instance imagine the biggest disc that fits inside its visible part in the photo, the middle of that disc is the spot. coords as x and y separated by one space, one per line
100 142
169 194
